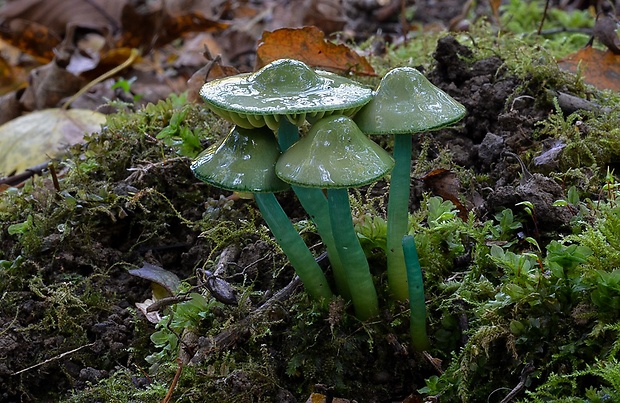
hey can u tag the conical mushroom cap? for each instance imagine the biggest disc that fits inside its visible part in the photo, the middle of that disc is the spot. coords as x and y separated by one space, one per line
406 102
285 88
334 154
243 161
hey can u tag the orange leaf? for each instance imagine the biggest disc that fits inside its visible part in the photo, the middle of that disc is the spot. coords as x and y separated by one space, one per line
599 68
308 45
30 37
495 8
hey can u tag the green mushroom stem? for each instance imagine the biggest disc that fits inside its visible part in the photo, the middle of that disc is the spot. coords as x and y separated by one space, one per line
244 161
363 292
417 304
335 155
398 217
404 104
313 200
293 246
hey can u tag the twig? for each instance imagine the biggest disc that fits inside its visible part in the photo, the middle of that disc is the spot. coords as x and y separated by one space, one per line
542 20
54 176
58 357
229 336
175 380
16 179
525 374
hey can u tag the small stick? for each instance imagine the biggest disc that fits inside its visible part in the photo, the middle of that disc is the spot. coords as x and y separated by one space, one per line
58 357
525 373
54 176
542 20
175 380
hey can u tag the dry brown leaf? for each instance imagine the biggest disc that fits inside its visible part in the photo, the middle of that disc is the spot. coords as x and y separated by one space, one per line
605 31
37 26
495 4
599 68
149 28
10 107
444 183
211 71
49 84
309 45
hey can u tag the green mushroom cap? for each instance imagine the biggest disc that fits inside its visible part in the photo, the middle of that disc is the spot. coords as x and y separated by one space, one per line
285 88
243 161
406 102
334 154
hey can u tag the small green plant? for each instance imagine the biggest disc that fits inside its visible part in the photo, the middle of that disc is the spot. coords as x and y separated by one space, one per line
183 317
125 85
180 136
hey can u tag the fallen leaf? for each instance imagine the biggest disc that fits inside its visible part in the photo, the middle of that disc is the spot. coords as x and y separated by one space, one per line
30 37
211 71
49 84
36 26
34 138
309 45
10 107
167 281
444 183
599 68
153 317
150 28
605 31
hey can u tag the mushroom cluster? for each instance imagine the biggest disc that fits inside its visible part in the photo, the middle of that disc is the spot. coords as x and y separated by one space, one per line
264 154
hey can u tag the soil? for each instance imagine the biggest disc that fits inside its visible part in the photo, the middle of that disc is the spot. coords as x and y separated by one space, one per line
41 321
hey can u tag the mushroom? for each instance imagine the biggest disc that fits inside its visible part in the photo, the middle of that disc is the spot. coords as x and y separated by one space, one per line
244 161
336 155
283 95
284 89
405 103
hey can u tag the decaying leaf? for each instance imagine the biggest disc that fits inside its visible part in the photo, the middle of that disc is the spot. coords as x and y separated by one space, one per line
309 45
599 68
30 37
211 71
444 183
156 27
39 136
10 107
38 26
605 31
164 283
49 84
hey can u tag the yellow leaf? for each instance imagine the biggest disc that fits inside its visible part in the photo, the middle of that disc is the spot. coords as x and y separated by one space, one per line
39 136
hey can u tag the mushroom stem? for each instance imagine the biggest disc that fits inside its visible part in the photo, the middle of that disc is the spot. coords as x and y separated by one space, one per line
293 246
398 217
313 200
361 286
417 305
